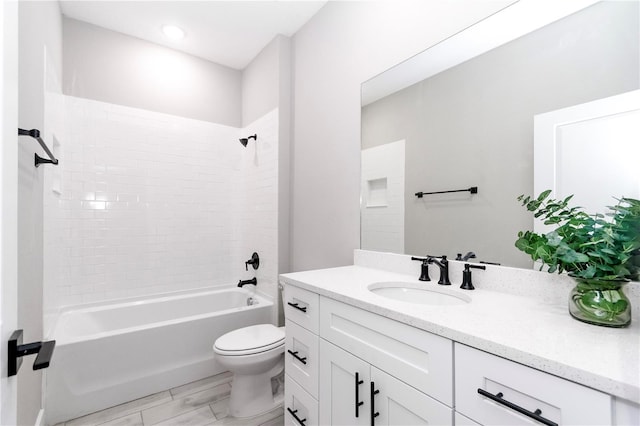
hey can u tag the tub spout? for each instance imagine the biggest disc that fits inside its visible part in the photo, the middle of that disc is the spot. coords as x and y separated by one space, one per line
253 281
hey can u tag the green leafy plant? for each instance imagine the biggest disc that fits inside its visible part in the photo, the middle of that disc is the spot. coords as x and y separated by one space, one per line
603 247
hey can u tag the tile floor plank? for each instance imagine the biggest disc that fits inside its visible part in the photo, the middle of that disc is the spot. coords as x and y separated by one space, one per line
121 410
198 417
134 419
278 421
184 404
251 421
200 385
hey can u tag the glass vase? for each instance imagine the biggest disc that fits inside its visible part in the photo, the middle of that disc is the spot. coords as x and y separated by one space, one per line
600 302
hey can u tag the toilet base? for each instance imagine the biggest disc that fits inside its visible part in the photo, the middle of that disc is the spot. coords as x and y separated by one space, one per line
252 394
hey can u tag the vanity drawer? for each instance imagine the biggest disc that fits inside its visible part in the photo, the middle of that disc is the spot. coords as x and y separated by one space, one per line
418 358
560 401
301 307
301 357
300 408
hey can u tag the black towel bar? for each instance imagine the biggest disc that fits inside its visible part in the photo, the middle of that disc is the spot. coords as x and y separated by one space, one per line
35 133
473 190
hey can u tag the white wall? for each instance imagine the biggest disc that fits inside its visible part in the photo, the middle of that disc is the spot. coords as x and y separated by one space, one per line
114 68
151 203
40 26
343 45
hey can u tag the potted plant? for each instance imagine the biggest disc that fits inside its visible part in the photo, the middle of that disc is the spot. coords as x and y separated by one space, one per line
601 252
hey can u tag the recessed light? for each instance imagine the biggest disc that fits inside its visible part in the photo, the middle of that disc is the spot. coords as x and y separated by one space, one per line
172 32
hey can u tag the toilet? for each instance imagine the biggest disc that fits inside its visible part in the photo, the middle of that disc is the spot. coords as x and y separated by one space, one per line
254 355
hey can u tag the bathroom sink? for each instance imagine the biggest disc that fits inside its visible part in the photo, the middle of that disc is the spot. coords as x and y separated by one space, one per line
423 294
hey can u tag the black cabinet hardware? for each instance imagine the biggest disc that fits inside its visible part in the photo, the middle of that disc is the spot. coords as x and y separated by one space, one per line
358 402
295 355
16 350
374 413
293 413
472 190
535 415
297 306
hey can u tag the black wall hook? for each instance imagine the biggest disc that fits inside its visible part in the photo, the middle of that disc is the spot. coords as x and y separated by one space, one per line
17 350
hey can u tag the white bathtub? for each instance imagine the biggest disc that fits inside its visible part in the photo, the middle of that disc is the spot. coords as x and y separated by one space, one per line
106 355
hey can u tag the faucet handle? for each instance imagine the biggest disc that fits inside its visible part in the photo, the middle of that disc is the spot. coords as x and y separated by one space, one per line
466 276
424 268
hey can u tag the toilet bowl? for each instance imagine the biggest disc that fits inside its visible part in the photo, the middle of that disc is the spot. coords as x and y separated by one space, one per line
254 355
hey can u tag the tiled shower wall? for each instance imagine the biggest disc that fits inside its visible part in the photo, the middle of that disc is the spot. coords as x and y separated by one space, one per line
150 203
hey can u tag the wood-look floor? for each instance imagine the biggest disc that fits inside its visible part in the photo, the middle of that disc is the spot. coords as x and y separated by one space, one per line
203 402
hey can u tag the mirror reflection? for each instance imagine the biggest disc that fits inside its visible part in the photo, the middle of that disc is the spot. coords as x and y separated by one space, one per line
472 125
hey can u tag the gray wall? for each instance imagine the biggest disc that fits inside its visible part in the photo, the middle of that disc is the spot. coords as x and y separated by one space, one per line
40 25
112 67
473 126
344 44
266 84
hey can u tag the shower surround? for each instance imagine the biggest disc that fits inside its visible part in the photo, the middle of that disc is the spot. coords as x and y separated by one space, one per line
145 203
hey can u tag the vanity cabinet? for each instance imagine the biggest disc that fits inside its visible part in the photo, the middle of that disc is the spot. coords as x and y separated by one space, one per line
495 391
353 392
301 308
361 368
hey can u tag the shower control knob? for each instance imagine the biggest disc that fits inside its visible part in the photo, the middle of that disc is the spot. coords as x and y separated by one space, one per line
254 262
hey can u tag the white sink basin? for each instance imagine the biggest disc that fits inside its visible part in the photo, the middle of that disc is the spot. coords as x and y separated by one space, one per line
424 294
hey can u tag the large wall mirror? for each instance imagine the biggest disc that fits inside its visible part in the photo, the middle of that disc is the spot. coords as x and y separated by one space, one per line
461 115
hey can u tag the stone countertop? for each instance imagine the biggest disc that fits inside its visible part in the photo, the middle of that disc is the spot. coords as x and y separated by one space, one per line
539 335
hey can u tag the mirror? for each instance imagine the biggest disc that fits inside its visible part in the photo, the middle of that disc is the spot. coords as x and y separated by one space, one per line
461 115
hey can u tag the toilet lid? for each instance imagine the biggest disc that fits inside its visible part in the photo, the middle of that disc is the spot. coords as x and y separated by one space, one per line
255 338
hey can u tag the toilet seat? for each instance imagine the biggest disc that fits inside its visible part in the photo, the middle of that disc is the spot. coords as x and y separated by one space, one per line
250 340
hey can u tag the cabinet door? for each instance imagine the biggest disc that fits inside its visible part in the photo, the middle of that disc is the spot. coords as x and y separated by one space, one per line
397 403
344 384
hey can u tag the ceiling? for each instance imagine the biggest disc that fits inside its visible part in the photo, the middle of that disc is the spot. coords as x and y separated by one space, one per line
230 33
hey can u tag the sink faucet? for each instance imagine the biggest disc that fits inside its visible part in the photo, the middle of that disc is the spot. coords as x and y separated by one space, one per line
469 255
443 264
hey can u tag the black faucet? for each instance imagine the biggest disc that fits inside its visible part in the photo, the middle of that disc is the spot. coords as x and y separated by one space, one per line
424 269
443 264
469 255
466 276
253 281
254 262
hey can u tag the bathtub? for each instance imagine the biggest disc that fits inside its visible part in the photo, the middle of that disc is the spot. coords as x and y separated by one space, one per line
109 354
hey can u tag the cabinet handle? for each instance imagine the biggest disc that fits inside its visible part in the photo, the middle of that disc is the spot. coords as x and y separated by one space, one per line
358 402
293 413
295 355
532 414
374 413
297 306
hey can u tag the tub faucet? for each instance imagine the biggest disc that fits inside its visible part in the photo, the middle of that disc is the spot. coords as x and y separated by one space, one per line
442 263
253 281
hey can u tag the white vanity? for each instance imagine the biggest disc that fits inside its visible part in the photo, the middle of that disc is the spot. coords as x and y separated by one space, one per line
354 357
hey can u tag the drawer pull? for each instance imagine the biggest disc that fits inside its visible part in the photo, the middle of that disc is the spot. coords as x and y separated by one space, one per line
532 414
295 355
297 306
293 413
374 413
358 402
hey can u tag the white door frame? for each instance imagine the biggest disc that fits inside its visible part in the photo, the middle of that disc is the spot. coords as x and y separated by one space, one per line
8 200
547 129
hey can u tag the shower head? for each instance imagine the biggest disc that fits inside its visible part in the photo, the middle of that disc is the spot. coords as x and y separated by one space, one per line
244 141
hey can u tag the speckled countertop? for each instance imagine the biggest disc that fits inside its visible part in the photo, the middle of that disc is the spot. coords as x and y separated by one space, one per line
522 329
